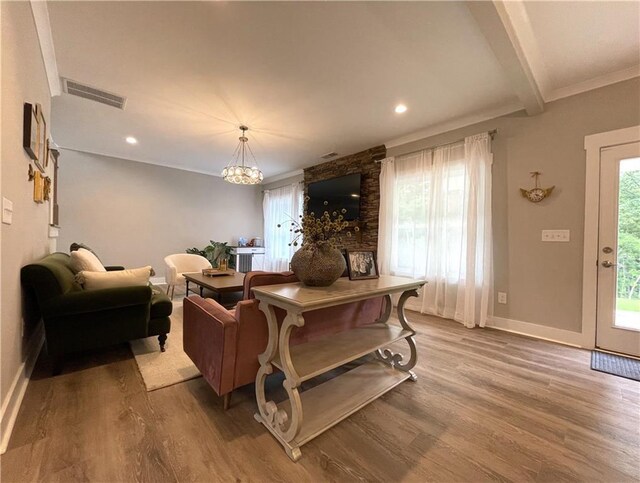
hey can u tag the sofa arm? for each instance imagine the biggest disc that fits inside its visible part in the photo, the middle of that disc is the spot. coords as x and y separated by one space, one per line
81 302
114 268
210 340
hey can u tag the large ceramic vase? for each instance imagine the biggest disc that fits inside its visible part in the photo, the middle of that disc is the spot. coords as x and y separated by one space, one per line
318 266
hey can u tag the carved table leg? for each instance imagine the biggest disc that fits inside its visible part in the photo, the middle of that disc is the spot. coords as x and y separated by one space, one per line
395 360
292 380
388 307
283 426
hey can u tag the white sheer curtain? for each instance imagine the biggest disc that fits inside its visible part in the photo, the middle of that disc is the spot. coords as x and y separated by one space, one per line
280 206
435 223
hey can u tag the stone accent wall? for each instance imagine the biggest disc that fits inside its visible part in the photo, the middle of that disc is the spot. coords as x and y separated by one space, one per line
364 163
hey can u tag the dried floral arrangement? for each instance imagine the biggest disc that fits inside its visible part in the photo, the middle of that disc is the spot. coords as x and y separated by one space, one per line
312 231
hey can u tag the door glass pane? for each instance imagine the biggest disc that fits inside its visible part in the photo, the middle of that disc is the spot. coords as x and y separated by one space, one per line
628 283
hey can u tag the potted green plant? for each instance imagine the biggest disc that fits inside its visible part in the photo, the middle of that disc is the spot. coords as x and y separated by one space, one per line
214 252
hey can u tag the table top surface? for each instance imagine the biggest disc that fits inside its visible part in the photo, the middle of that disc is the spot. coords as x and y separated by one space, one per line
219 283
340 292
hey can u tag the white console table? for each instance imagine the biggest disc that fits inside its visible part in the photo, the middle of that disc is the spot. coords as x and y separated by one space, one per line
303 416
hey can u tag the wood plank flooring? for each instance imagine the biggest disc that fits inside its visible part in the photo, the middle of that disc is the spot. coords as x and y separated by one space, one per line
487 406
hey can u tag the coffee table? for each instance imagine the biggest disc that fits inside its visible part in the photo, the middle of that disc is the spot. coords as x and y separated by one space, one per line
220 284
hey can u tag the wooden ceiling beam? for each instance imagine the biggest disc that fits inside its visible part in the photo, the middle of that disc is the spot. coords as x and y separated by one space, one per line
498 29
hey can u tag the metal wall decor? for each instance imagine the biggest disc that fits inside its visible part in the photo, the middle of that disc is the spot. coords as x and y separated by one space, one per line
536 194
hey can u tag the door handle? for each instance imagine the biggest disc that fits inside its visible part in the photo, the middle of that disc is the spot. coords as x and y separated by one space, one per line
608 264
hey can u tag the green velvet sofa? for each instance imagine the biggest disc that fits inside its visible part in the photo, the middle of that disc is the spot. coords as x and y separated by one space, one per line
77 320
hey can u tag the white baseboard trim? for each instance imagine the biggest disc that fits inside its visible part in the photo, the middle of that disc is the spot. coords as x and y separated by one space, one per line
11 404
560 336
157 280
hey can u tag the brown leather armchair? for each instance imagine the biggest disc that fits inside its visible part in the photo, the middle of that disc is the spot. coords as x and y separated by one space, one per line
225 344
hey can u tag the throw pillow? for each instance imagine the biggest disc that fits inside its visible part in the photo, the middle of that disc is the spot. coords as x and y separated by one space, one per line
77 246
120 278
84 260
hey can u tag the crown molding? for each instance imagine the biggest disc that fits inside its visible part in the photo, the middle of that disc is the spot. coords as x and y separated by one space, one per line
154 163
595 83
279 177
40 13
454 124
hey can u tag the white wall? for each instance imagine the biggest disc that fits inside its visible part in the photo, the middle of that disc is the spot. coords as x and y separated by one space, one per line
298 178
23 80
544 280
134 214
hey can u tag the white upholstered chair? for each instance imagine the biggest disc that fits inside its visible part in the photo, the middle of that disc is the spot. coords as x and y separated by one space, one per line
179 263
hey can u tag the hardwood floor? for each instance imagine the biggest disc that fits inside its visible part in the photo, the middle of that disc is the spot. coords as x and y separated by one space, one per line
487 405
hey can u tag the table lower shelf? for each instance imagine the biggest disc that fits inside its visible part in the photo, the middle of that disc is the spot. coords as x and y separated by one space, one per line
310 359
326 405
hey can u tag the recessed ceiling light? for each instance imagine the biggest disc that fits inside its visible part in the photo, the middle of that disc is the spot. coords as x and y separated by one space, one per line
400 108
131 140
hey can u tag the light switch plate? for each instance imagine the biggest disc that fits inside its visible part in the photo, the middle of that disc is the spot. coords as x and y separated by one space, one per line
7 211
556 235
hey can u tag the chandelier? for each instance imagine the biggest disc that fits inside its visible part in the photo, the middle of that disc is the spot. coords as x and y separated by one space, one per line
237 172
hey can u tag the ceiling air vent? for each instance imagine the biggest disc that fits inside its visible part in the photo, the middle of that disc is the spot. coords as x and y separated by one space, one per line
76 89
330 155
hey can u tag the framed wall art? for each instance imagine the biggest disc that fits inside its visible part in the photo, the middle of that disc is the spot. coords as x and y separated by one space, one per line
30 130
41 145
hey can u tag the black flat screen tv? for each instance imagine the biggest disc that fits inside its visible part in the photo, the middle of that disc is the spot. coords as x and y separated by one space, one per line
341 192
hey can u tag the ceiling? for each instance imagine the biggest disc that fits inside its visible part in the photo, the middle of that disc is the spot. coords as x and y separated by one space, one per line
584 40
307 78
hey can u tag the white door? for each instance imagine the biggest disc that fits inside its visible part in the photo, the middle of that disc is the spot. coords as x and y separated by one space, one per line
618 317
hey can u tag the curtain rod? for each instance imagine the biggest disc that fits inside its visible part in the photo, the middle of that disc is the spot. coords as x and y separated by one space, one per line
491 133
291 184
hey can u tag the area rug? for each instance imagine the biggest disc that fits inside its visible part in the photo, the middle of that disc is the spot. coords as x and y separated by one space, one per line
162 369
617 365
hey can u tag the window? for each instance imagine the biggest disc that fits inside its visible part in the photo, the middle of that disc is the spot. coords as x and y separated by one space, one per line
435 224
280 207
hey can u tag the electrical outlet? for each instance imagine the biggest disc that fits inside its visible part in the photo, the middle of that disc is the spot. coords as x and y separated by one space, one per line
502 297
556 235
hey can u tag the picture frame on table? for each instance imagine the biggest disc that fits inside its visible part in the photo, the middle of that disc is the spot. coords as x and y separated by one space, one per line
362 264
